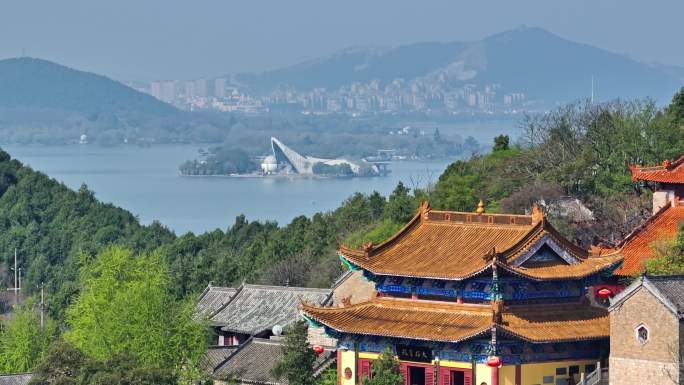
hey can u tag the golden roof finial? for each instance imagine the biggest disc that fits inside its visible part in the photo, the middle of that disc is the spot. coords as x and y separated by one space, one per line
480 208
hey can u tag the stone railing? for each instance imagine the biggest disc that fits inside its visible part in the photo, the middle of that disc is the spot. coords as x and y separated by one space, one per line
597 377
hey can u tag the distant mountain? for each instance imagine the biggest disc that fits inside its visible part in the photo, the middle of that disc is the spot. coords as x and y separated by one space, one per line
40 84
530 60
44 102
359 65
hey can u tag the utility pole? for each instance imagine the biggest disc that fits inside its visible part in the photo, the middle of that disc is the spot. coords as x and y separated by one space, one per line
592 89
42 306
17 280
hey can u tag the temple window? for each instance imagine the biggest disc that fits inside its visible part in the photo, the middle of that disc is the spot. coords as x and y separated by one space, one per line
642 334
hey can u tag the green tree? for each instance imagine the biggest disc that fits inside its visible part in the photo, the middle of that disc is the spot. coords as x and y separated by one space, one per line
386 370
400 207
297 365
124 369
328 377
501 143
62 365
376 233
672 262
66 364
125 306
22 342
676 108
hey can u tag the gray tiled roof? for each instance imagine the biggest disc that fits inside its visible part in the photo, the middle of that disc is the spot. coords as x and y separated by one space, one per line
15 379
253 362
212 299
256 308
672 288
214 356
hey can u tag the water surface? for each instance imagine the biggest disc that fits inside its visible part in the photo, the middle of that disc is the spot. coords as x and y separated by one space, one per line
145 181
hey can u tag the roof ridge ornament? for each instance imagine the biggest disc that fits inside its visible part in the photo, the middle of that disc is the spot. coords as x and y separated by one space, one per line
491 255
480 208
367 248
424 209
537 214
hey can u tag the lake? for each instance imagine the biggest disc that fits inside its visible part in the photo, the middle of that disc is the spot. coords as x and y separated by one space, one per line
145 181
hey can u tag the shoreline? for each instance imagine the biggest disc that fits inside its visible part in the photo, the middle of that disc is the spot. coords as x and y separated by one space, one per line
277 176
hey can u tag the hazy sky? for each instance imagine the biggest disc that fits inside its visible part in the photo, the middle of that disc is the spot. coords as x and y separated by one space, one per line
156 39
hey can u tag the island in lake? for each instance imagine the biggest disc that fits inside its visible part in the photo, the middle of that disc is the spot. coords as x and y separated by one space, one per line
283 161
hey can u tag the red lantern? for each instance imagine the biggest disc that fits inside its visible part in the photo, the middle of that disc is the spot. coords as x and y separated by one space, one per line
494 362
604 293
318 349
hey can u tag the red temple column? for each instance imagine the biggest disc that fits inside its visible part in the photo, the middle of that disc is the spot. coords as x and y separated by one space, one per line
495 375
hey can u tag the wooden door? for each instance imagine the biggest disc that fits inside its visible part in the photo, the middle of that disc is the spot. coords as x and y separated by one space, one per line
365 370
448 375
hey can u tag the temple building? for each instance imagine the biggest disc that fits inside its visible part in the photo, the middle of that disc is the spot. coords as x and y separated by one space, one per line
473 298
647 332
236 314
667 183
247 323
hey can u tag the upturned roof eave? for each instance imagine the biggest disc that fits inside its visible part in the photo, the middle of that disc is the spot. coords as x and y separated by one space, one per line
388 335
640 173
500 327
511 269
527 274
363 266
506 330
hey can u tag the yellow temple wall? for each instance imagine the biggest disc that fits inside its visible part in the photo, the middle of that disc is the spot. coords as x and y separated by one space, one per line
483 373
530 373
369 356
347 360
534 373
454 364
507 375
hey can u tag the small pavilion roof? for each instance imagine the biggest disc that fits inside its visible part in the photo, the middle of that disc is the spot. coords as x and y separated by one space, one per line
457 245
449 322
667 172
638 246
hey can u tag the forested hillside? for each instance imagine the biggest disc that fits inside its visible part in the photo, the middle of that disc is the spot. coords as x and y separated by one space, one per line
50 225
